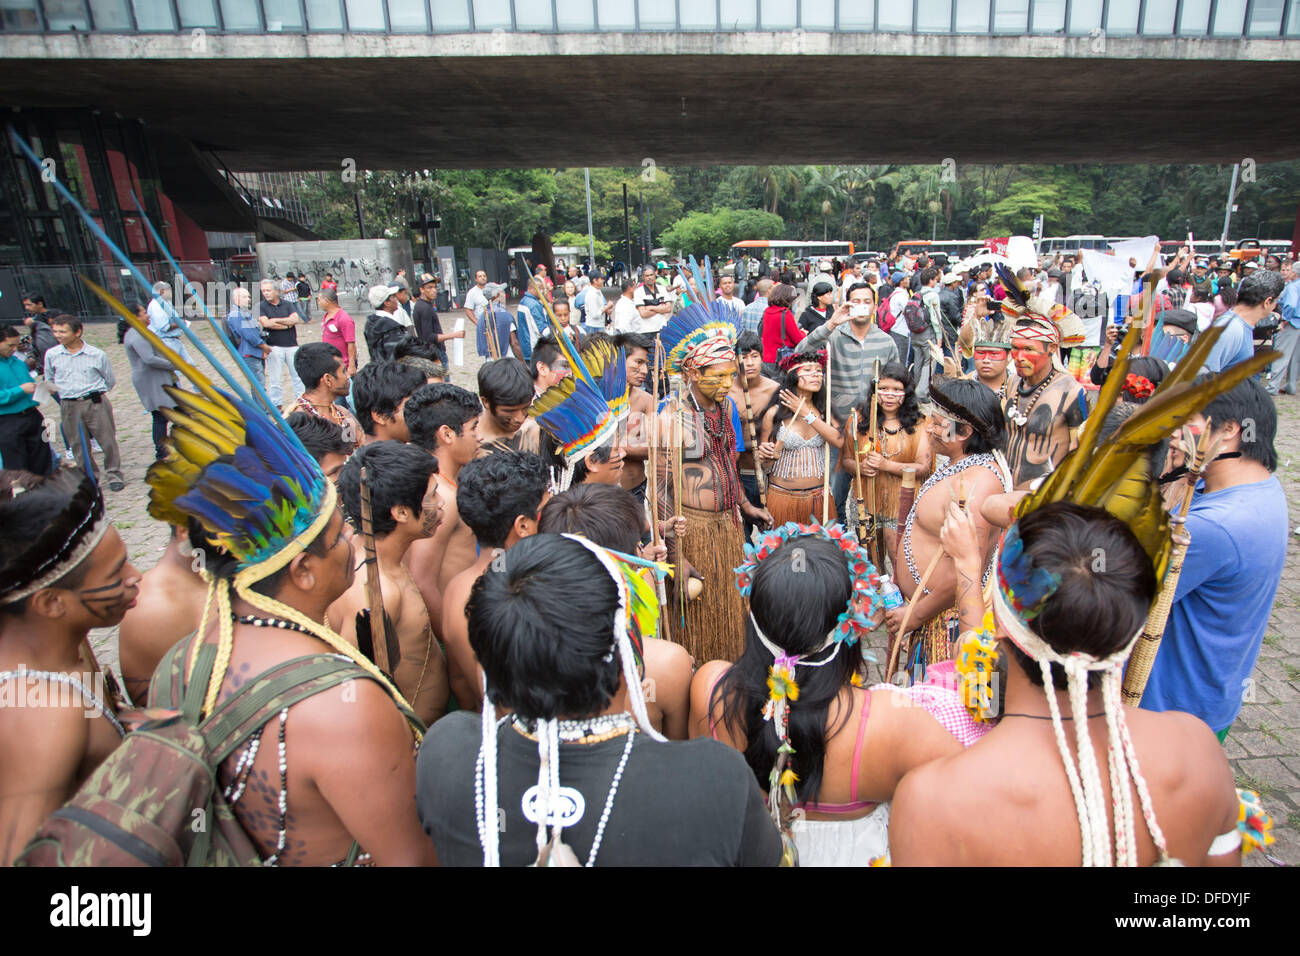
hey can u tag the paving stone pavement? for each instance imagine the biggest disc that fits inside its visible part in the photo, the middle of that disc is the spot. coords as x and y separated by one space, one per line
1263 746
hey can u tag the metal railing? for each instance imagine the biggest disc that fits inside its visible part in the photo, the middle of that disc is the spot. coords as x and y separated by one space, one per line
1153 18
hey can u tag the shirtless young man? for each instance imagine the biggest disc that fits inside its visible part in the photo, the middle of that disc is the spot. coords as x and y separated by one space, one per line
380 391
443 420
53 735
323 440
1047 406
405 508
966 426
506 390
1028 814
350 769
638 350
749 353
703 351
499 498
611 518
169 608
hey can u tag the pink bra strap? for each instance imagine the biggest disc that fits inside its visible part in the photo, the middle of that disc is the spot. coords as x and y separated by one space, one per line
857 747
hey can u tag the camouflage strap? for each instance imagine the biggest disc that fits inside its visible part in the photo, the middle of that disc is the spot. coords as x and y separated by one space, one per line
239 716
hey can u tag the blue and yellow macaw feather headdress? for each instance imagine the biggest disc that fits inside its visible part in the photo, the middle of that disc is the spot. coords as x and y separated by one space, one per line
582 411
703 333
229 466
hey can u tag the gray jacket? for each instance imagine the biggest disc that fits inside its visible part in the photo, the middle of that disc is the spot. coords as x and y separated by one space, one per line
149 372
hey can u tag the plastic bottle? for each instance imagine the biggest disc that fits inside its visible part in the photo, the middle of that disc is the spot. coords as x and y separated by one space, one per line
889 593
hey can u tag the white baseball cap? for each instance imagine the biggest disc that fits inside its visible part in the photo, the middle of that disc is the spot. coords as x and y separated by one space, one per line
379 294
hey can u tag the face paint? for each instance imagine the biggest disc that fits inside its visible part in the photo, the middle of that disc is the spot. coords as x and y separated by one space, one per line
1030 362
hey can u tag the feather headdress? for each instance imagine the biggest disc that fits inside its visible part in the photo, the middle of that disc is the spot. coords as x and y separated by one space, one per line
703 333
582 411
1055 319
236 467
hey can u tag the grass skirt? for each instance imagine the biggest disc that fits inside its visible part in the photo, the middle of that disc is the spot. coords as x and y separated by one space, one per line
715 621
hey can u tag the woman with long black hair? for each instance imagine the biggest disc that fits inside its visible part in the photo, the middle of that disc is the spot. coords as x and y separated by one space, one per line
847 746
793 434
902 443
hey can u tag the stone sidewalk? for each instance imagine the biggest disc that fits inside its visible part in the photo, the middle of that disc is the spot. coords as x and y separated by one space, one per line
1264 745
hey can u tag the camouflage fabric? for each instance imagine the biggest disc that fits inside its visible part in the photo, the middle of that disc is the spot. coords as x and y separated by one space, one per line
155 800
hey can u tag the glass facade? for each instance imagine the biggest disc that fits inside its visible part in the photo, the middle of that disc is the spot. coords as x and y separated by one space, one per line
1214 18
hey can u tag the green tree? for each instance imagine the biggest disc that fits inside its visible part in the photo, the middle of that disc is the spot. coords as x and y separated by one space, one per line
714 233
603 248
655 187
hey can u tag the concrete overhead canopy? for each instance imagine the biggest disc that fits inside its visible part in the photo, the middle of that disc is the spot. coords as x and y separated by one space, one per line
292 102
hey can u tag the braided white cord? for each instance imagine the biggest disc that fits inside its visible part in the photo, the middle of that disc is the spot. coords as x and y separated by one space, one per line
1089 770
489 833
1125 831
553 797
543 805
1080 808
1144 795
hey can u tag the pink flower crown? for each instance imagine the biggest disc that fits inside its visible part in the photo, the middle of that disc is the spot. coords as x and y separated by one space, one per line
854 622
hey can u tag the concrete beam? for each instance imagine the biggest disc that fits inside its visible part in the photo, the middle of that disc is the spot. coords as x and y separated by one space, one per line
287 102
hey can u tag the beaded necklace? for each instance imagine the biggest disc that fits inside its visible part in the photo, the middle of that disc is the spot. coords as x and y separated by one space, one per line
624 721
1014 414
588 730
273 622
68 680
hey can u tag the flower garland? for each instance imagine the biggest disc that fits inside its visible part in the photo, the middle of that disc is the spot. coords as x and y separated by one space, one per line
854 621
975 665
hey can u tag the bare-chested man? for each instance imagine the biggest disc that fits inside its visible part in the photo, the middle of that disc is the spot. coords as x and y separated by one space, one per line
323 440
405 508
500 497
638 350
506 390
966 426
1047 406
379 392
443 420
749 353
701 347
1028 813
169 608
611 518
63 571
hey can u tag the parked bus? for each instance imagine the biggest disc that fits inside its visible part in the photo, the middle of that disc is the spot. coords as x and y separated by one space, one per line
789 250
953 249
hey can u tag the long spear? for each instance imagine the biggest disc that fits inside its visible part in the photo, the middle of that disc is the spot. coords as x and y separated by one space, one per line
1144 653
374 622
874 438
654 477
865 518
759 477
827 498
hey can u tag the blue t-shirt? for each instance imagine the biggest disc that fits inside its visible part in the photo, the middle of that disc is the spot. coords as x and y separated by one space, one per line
1236 344
1222 605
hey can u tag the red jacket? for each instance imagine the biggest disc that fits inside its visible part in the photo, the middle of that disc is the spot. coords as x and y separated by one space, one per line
779 329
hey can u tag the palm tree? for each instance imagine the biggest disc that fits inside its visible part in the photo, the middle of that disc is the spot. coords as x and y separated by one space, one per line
859 184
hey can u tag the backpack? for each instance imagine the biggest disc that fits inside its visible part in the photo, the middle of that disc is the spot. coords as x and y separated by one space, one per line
884 318
914 315
155 800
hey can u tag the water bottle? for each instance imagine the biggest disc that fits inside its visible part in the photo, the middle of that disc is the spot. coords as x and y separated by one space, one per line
889 593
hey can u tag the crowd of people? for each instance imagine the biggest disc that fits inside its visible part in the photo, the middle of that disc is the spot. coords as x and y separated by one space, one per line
614 606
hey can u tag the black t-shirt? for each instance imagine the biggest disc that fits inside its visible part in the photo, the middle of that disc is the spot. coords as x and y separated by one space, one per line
683 803
425 318
281 310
